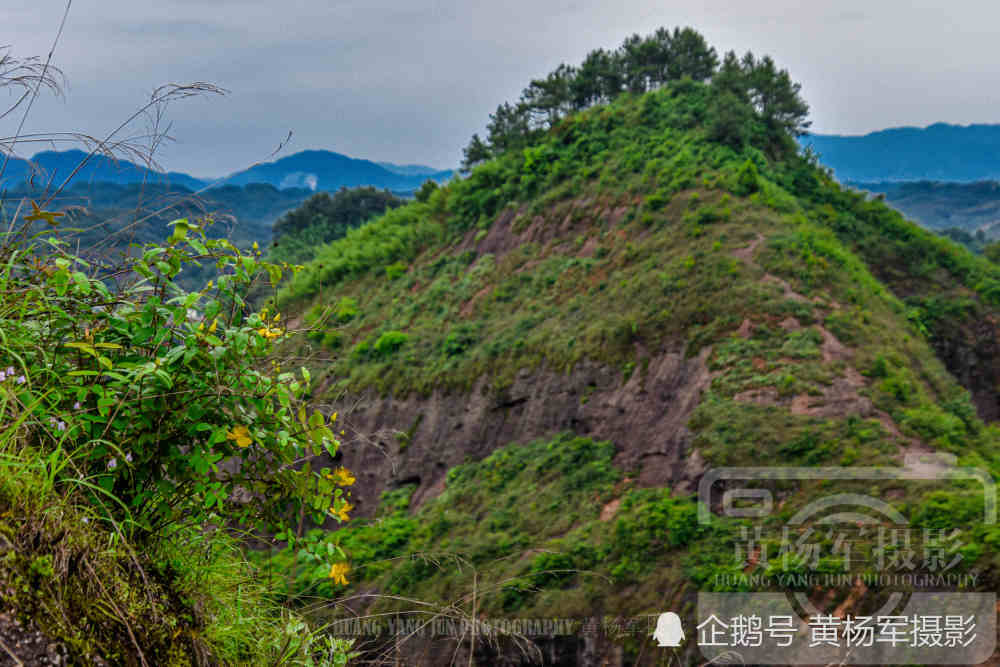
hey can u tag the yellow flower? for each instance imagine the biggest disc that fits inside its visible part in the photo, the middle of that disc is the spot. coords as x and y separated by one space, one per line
342 512
343 476
269 333
215 323
338 572
276 318
255 246
333 417
241 434
39 214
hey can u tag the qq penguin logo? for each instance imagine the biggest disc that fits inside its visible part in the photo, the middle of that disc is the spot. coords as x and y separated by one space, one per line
669 632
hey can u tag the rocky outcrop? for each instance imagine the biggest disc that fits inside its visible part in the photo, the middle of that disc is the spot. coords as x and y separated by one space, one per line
970 351
391 441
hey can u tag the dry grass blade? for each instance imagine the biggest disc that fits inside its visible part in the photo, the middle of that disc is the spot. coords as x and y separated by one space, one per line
38 74
27 74
13 657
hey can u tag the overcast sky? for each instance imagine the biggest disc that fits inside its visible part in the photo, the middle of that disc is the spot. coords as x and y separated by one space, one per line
409 81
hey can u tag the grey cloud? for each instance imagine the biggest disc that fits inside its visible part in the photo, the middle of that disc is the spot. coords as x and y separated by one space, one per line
410 81
171 28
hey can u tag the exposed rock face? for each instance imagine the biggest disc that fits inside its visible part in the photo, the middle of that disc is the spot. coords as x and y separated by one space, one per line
24 645
417 439
391 441
971 352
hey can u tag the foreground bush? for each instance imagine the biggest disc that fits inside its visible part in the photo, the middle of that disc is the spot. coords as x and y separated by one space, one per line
144 417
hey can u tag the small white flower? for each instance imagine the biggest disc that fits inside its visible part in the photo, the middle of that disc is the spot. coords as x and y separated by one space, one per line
85 520
3 376
76 406
128 457
61 426
112 464
21 379
10 370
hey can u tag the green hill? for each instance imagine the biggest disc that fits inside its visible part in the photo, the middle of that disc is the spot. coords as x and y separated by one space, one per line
535 365
520 392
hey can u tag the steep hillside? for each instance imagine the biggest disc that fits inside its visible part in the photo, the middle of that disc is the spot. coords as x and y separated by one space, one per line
535 366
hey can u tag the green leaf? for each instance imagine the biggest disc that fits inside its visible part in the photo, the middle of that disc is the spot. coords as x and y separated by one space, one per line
179 234
164 377
60 281
331 444
199 463
152 253
82 282
274 272
142 268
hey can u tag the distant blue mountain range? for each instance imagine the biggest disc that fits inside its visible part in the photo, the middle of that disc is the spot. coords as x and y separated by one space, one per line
315 170
325 170
409 169
940 152
55 166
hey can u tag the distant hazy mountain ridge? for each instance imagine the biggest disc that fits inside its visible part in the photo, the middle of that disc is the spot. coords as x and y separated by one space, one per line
325 170
56 166
312 170
409 169
940 152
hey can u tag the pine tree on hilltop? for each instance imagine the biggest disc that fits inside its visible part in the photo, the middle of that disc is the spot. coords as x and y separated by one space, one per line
744 90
